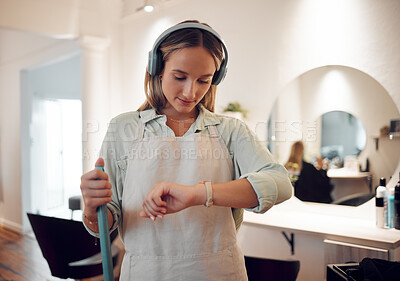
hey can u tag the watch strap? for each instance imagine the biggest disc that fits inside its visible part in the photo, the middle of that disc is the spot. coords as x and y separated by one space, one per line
209 194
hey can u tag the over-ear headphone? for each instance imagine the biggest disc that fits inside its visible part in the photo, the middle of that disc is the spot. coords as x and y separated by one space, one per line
155 61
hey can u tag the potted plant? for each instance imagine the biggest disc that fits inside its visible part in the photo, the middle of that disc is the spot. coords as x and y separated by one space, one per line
234 109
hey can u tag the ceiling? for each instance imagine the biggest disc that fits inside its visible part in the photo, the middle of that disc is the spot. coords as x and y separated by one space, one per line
130 7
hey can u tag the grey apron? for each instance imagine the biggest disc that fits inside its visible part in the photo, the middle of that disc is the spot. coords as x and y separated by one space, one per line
198 243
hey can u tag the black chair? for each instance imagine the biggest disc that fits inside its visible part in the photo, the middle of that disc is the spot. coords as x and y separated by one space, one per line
367 269
356 199
261 269
68 248
337 272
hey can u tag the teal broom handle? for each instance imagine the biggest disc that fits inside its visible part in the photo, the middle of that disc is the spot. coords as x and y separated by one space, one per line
105 247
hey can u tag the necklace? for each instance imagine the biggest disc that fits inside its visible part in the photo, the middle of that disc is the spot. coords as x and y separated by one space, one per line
182 121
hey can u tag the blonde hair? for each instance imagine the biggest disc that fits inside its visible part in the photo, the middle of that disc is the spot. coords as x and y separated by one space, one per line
178 40
295 161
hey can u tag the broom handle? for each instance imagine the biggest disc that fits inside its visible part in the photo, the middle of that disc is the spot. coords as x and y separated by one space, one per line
105 247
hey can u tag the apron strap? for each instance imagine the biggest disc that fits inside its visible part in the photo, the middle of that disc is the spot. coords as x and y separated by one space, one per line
213 131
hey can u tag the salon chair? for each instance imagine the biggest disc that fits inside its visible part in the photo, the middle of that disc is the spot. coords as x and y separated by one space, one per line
70 251
262 269
368 269
356 199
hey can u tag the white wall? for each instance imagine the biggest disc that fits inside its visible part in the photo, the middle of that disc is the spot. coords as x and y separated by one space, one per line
270 43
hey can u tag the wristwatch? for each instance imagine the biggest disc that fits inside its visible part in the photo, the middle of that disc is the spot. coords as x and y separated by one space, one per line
209 194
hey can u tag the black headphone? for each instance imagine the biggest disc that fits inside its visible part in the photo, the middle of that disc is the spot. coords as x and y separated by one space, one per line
155 61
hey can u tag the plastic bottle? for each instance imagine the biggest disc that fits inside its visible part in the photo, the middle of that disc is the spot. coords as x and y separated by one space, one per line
397 205
390 208
381 204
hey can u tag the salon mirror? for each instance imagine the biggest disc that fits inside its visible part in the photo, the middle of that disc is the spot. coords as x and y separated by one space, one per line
341 112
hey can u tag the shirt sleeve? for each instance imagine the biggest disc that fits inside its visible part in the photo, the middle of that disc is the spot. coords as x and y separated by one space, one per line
113 166
253 161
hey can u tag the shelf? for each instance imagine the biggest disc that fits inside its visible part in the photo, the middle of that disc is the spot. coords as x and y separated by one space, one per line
346 174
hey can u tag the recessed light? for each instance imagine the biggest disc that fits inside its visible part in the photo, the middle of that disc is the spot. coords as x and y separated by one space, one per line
148 8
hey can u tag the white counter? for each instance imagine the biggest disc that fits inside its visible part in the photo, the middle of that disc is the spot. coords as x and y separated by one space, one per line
351 224
315 226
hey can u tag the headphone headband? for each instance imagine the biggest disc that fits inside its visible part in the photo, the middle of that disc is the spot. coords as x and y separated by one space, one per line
155 61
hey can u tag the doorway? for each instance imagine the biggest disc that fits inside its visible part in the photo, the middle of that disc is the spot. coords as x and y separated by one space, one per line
56 148
54 152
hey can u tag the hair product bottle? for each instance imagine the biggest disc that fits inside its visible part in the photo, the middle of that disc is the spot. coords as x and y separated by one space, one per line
397 205
381 204
390 208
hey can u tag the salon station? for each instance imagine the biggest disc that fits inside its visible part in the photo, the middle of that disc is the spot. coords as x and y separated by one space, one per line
321 72
357 152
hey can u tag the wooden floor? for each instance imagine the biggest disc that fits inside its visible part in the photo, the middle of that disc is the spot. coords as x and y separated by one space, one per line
21 258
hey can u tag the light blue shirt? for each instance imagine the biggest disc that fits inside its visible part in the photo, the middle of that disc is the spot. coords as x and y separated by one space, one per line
251 159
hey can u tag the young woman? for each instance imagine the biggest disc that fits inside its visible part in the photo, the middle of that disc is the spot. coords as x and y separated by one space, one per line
310 184
177 176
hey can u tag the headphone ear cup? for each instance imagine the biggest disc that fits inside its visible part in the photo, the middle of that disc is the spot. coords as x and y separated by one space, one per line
151 66
154 64
216 79
220 74
158 63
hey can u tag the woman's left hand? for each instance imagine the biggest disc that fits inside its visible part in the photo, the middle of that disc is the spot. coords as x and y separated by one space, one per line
168 198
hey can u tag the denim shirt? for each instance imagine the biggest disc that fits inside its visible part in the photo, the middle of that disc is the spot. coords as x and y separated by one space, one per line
251 158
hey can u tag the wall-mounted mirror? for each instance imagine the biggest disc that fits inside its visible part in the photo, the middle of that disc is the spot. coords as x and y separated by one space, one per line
321 107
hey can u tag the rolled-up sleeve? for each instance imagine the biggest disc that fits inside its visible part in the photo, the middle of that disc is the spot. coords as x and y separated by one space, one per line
253 161
110 151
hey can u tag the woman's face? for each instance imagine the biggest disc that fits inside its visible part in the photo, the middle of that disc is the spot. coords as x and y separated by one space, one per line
186 78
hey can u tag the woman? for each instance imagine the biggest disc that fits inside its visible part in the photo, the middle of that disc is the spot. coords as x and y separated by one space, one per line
309 183
177 175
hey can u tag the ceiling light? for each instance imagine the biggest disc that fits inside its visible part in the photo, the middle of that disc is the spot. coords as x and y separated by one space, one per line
148 8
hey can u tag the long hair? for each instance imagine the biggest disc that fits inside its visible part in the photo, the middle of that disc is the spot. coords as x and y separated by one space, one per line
178 40
295 161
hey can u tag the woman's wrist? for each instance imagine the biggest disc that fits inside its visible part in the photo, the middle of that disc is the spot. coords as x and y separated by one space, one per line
90 213
200 194
204 194
91 221
209 194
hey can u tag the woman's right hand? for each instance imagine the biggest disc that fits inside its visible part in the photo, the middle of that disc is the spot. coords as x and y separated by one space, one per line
96 190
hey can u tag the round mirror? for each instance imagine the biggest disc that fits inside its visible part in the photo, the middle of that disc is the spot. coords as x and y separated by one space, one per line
339 114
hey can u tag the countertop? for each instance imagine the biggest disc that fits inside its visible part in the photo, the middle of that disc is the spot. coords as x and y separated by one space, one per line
344 223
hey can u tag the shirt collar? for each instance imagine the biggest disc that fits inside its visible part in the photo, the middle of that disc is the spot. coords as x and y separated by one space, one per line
205 118
148 115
